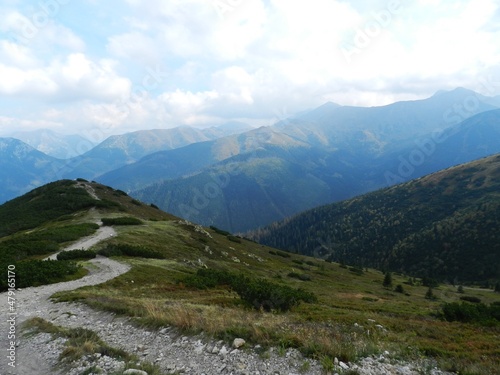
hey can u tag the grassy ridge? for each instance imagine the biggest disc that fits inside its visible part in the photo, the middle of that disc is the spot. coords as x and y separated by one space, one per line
43 204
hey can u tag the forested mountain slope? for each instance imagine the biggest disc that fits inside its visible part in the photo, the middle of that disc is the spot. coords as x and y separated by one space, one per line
445 225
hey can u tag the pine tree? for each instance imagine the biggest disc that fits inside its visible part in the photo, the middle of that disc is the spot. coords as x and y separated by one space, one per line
387 280
429 294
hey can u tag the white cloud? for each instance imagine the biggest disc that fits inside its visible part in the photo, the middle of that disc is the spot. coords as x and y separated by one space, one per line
246 59
73 78
80 77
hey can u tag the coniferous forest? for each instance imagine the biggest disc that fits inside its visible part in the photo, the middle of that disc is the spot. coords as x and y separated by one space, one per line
443 226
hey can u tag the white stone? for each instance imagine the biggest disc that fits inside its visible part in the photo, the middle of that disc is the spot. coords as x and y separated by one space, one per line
343 365
238 343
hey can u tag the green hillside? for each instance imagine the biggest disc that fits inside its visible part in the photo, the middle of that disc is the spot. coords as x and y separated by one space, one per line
207 280
52 216
444 226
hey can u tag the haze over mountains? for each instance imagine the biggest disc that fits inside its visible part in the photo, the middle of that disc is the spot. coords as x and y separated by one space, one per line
246 180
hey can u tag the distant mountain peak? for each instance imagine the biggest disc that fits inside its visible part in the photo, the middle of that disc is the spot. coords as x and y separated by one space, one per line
455 91
328 105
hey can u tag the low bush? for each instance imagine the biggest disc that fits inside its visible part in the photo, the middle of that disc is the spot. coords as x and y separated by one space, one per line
356 270
472 313
76 254
44 241
219 231
131 251
257 293
399 289
124 220
234 239
470 299
40 272
300 276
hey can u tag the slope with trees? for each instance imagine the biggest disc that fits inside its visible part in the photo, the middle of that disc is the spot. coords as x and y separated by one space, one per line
443 226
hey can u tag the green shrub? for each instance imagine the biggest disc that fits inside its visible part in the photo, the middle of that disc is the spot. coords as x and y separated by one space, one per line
257 293
76 254
356 270
430 294
387 283
234 239
124 220
45 241
131 251
39 272
219 231
470 299
300 276
399 289
471 313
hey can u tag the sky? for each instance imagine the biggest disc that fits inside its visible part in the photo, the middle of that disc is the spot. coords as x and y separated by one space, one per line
98 68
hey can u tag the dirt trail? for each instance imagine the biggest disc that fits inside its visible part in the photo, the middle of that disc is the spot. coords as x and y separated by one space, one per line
87 242
34 301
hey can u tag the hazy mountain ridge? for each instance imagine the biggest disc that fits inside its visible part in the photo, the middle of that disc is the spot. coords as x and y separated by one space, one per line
22 167
112 153
60 146
171 164
333 152
444 225
119 150
326 173
336 125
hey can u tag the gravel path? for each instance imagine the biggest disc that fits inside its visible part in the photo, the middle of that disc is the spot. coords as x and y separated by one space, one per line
32 301
87 242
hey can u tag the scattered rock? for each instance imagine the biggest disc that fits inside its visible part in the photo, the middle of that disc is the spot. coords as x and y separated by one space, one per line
238 343
343 366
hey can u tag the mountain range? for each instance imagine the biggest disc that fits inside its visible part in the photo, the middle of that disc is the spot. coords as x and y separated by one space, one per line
323 156
254 177
57 145
22 168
